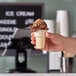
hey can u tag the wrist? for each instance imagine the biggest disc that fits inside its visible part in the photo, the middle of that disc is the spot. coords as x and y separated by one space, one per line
66 44
69 47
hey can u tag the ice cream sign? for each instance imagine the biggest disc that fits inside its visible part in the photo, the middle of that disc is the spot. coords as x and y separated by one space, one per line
18 14
14 16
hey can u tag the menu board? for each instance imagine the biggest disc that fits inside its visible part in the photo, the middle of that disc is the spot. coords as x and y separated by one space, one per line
14 16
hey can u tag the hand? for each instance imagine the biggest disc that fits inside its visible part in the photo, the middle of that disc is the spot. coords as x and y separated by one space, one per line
53 42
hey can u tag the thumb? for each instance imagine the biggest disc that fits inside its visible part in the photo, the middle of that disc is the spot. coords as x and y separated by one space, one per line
50 35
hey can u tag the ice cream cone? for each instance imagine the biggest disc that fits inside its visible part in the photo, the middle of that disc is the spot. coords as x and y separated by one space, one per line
40 38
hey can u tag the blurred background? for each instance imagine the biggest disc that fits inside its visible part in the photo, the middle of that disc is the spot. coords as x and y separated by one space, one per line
38 62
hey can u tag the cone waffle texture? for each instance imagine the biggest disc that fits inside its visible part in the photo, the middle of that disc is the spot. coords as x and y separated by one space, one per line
40 38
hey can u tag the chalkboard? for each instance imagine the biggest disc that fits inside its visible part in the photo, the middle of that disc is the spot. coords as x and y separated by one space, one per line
19 15
14 16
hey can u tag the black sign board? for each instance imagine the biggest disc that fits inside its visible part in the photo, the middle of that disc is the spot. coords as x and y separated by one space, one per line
17 15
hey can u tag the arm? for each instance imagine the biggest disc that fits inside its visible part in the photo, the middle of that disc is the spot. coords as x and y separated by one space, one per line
56 42
70 45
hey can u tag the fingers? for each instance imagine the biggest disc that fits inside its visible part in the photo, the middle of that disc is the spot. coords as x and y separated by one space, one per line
32 39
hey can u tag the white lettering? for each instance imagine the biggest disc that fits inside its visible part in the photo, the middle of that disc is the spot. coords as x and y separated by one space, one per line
9 22
9 13
6 29
29 21
1 44
3 37
24 13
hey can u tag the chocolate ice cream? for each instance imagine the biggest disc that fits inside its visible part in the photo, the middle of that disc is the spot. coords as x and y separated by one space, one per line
39 24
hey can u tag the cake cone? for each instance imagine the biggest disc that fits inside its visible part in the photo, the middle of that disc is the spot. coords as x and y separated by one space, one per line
40 38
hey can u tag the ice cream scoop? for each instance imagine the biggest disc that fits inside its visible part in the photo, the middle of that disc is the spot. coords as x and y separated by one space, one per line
39 24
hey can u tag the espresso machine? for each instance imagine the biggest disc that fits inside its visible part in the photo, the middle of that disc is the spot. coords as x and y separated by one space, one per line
21 42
